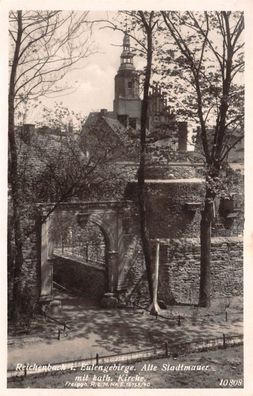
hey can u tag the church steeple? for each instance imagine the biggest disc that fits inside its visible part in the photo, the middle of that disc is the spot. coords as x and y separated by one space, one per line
126 55
127 103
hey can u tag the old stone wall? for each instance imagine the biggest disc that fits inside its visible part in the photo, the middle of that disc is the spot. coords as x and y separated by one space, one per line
180 260
170 219
30 278
130 256
179 272
133 269
171 192
230 219
170 171
229 202
30 268
163 155
168 210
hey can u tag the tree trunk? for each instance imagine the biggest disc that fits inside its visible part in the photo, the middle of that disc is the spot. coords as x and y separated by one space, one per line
14 182
141 171
205 252
154 308
14 189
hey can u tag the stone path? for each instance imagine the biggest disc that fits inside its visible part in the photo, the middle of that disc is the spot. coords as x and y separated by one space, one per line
95 330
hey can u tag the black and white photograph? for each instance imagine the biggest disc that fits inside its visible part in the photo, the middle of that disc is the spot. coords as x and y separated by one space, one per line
125 221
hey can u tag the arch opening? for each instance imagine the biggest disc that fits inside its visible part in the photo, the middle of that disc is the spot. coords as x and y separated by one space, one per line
79 256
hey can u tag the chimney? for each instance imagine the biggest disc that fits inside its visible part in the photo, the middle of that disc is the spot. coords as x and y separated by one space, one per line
103 112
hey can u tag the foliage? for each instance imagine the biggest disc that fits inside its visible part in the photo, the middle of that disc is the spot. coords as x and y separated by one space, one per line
202 65
49 44
44 46
207 54
199 58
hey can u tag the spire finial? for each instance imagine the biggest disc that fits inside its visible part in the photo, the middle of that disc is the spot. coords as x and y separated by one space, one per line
126 55
126 40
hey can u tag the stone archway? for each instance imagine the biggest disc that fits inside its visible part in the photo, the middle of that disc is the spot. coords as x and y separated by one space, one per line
103 214
79 262
108 224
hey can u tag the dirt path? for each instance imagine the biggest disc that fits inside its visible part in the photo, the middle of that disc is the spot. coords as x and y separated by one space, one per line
95 330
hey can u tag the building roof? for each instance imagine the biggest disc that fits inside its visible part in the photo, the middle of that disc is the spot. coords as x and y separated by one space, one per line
110 120
93 116
118 129
40 148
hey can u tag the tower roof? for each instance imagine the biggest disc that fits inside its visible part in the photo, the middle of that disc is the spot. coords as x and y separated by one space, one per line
126 55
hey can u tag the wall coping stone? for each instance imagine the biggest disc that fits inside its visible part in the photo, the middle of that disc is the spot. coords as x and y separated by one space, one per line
171 181
196 241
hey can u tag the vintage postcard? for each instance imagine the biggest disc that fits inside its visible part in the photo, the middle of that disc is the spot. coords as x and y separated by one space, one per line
127 231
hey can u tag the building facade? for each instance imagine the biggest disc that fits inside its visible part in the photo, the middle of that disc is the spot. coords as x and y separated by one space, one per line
163 128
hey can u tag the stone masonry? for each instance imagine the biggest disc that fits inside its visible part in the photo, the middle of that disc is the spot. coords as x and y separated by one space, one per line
180 263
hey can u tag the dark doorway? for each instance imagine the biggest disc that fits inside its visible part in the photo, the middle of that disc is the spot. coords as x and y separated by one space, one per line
79 257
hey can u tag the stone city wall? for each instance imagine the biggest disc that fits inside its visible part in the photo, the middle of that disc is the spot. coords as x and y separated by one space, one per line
179 271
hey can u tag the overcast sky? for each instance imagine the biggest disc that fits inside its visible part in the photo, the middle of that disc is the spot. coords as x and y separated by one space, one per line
95 75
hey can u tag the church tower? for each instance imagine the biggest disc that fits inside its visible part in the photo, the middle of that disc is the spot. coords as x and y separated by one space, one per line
127 102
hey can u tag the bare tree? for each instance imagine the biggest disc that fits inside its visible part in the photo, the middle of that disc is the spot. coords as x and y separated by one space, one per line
205 52
44 46
141 28
148 22
199 56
